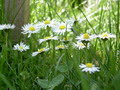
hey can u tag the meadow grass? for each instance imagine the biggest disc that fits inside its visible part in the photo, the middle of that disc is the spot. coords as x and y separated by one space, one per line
59 69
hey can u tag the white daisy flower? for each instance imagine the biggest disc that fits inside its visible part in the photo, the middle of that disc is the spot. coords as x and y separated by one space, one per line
47 23
89 67
61 28
80 45
21 47
40 51
60 47
86 37
106 36
30 28
6 26
48 39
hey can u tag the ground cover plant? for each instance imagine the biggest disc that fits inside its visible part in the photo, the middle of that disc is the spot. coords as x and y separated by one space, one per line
66 45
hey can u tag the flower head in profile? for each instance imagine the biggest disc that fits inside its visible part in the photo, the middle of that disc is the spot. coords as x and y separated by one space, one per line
89 67
66 40
106 36
86 37
48 39
30 29
61 28
40 51
60 47
80 45
7 26
47 23
21 47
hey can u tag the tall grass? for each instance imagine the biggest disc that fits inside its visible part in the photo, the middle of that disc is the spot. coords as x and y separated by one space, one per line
59 70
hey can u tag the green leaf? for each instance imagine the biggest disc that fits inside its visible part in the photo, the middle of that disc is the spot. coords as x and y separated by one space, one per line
62 68
43 83
56 81
94 86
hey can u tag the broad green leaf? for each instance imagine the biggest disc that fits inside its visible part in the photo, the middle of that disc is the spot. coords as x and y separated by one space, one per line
64 68
43 83
94 86
56 81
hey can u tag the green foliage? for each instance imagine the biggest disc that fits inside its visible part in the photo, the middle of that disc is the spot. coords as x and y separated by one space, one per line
50 85
3 78
116 81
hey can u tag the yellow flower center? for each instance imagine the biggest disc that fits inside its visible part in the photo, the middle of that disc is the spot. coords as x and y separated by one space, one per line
47 37
105 35
62 27
81 44
41 50
86 36
20 47
32 29
89 65
60 46
65 39
47 22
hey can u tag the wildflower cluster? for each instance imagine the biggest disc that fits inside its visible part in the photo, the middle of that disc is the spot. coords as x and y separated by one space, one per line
61 32
56 27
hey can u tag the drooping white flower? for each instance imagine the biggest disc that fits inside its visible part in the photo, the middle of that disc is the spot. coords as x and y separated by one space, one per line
61 28
21 47
30 29
60 47
80 45
106 35
47 23
89 67
48 39
40 51
86 37
7 26
66 40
